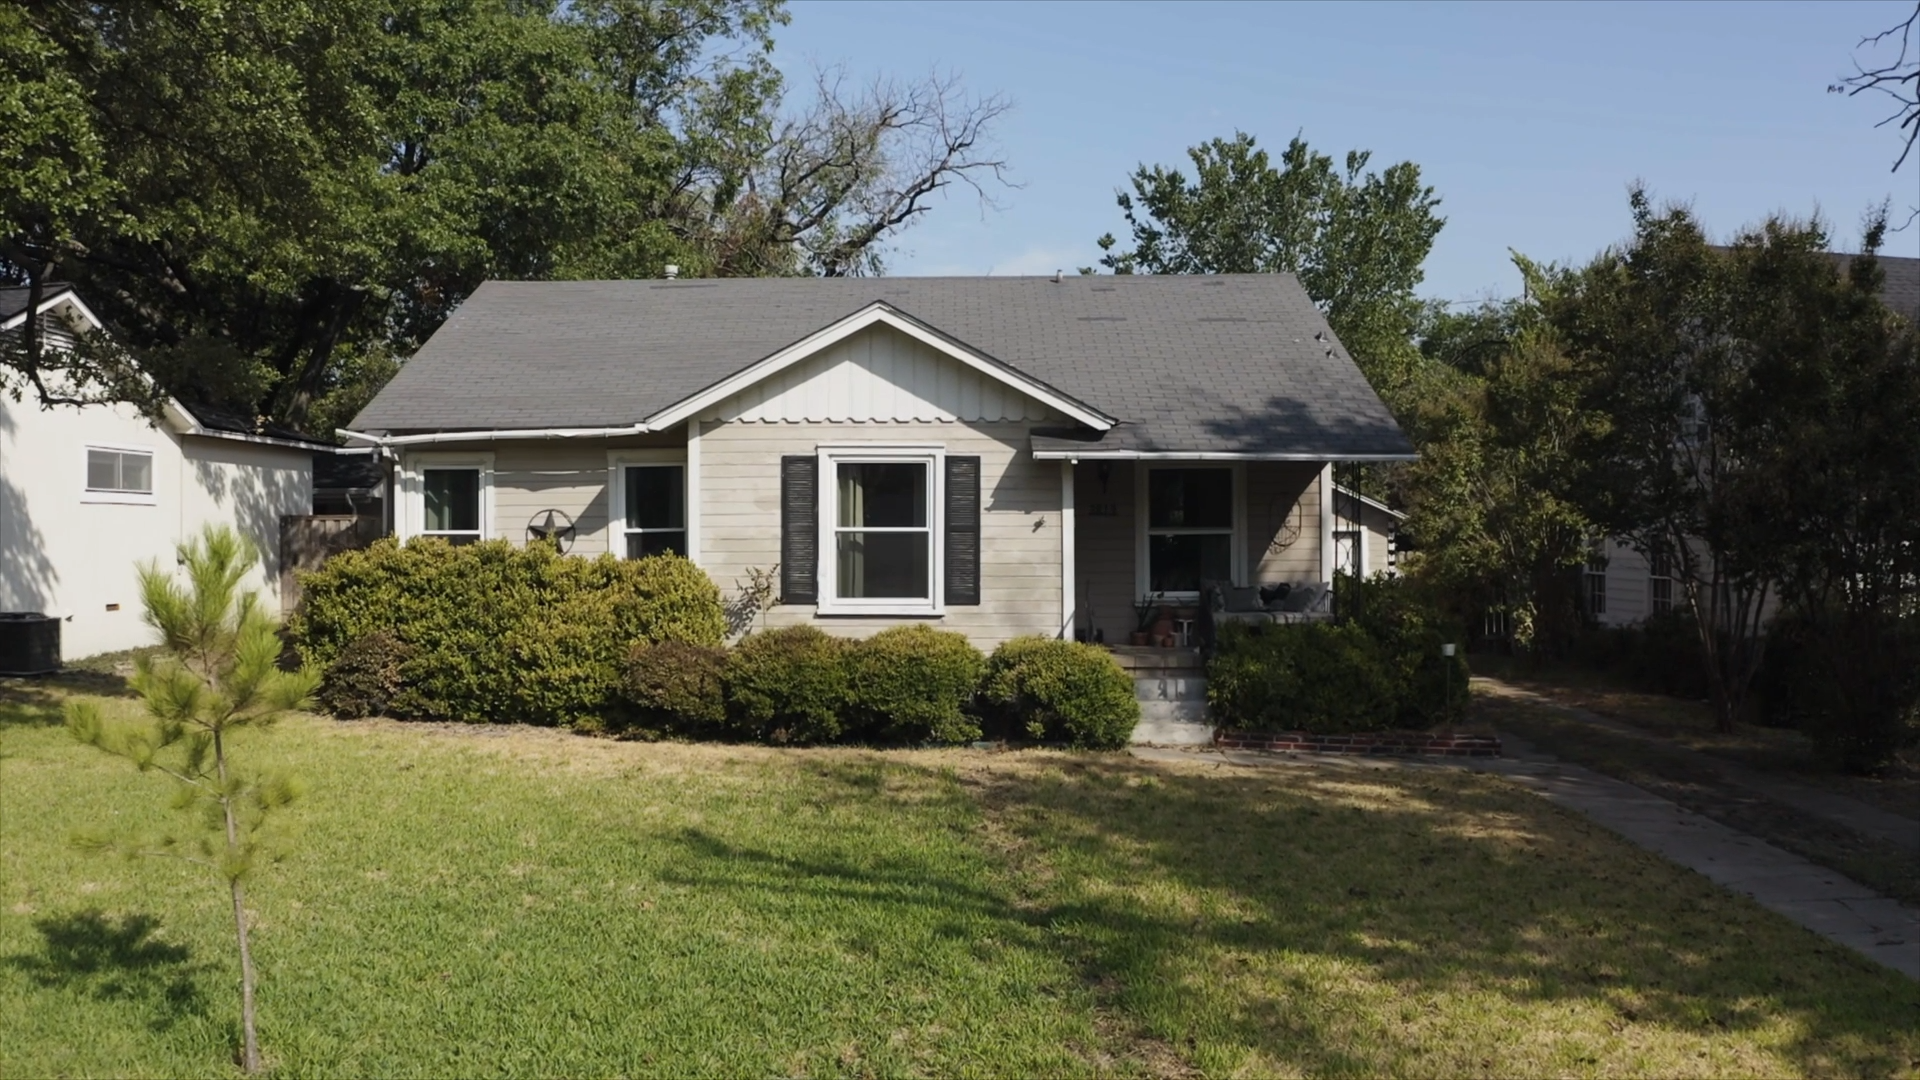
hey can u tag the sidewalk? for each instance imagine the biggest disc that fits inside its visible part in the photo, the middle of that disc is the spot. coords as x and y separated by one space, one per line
1831 806
1825 902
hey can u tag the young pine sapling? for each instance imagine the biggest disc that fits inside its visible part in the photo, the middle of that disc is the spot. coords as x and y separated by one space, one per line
218 672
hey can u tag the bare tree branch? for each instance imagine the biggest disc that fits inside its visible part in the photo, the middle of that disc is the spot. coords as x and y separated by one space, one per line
1898 79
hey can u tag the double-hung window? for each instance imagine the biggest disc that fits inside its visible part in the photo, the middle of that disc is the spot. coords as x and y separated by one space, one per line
880 526
451 499
650 508
1660 584
1595 578
449 496
1190 528
119 474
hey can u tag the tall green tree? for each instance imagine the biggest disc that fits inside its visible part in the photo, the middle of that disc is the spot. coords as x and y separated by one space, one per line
218 674
1501 425
275 201
1695 353
1355 238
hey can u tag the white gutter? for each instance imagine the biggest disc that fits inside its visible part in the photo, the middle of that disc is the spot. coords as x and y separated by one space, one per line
485 436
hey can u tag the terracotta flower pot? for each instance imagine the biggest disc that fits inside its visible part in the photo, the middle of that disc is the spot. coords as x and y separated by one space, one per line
1165 641
1138 637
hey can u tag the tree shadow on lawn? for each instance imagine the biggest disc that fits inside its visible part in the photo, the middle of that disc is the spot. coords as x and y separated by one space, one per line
1334 903
92 954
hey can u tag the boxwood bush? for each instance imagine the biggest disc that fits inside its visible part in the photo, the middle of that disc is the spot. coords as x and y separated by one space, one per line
914 684
1061 692
1377 668
503 633
788 685
677 687
367 678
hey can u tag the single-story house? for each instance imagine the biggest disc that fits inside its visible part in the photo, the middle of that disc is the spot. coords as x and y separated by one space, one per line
997 456
89 492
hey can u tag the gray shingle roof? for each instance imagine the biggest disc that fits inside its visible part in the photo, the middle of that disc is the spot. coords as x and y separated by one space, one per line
13 298
1226 363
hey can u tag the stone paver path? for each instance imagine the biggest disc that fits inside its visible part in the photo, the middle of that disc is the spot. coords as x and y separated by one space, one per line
1819 899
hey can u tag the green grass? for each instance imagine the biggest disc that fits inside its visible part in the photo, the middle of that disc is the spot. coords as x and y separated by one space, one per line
489 901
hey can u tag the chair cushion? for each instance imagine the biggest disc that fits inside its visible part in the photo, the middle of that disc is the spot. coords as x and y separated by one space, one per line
1301 599
1239 599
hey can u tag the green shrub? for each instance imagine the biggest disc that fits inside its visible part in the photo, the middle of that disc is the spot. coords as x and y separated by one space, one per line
675 686
366 679
1061 691
502 633
788 685
914 684
1323 677
1410 625
1660 655
1849 680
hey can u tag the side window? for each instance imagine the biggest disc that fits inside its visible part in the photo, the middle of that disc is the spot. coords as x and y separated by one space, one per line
451 504
655 500
119 475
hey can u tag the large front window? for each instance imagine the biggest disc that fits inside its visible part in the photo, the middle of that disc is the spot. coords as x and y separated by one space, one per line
1189 528
880 539
655 499
883 543
451 499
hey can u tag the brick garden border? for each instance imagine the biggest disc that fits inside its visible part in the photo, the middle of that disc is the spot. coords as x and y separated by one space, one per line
1377 743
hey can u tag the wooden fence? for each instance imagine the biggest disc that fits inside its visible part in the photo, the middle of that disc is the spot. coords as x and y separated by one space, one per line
307 540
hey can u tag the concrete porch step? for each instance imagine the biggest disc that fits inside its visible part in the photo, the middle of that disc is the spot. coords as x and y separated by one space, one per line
1173 723
1145 658
1169 686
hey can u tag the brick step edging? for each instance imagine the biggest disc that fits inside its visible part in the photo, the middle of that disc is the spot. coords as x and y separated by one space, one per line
1386 742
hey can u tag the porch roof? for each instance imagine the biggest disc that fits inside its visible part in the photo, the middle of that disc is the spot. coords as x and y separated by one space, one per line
1284 430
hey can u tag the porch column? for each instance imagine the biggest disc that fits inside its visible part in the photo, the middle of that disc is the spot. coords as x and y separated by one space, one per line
692 494
1326 522
1068 594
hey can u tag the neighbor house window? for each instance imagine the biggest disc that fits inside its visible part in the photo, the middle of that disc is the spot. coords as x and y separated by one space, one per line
1190 528
1660 584
881 531
114 472
451 504
654 504
1595 578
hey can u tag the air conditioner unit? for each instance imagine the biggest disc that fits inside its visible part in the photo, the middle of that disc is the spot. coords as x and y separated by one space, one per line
29 643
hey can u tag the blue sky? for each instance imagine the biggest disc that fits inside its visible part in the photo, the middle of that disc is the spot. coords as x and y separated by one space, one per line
1529 120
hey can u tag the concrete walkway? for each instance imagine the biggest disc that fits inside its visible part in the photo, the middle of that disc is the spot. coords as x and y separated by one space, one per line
1849 813
1819 899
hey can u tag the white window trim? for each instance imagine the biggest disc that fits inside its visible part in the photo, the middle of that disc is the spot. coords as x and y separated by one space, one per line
827 570
1142 551
411 518
120 498
618 461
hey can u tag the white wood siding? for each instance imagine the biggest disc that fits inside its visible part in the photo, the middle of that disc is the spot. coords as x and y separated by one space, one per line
879 375
1020 522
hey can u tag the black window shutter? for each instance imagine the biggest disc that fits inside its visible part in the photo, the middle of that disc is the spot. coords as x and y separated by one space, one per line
799 529
963 530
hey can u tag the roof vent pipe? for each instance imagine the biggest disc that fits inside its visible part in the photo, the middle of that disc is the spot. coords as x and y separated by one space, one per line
673 271
1056 277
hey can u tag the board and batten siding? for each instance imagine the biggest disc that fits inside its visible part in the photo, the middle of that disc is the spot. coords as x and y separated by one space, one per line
878 375
1282 534
1020 521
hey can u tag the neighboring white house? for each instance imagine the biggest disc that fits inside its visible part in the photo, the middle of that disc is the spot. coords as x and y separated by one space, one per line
87 493
1363 533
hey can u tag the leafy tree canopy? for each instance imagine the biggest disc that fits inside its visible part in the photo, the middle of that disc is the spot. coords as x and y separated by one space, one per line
1356 239
269 203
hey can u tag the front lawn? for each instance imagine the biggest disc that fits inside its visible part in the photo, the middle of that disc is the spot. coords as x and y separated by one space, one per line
476 901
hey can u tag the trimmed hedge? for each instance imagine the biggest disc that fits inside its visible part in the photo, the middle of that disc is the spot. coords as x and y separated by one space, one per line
1377 669
1061 692
914 684
788 685
504 633
674 686
1849 680
367 678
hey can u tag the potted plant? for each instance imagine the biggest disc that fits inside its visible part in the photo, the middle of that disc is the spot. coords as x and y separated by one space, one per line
1145 610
